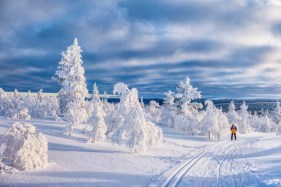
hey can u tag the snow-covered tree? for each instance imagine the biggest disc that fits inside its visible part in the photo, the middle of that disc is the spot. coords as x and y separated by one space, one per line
153 112
244 125
187 117
168 110
186 93
232 115
99 129
133 128
276 114
97 119
90 106
278 129
179 111
70 75
215 122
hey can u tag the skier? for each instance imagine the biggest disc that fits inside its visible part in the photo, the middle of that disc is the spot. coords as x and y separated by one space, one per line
233 131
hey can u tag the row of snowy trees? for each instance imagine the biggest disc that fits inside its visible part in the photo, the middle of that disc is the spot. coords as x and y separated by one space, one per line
129 121
25 106
180 112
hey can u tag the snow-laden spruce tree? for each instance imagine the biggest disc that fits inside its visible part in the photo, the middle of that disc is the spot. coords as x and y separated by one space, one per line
232 115
276 114
97 119
214 122
99 127
188 117
186 93
168 110
153 112
111 118
5 103
244 125
133 128
278 129
95 98
70 75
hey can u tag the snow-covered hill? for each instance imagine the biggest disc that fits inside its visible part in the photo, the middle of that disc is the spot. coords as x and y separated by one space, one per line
253 160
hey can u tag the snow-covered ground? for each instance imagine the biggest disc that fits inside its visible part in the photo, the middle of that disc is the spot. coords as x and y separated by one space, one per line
181 160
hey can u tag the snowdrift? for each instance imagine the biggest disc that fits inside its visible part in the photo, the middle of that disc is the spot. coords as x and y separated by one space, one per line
23 148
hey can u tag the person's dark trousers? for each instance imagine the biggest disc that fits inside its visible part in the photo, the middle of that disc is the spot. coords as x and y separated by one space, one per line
233 134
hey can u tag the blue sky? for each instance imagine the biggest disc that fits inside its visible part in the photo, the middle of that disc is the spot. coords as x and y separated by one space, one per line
228 49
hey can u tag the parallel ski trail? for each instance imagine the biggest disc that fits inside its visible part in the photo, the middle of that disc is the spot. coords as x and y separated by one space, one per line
175 178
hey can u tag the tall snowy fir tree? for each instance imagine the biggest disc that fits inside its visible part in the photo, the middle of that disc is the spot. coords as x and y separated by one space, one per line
70 75
189 117
168 110
276 114
244 123
232 115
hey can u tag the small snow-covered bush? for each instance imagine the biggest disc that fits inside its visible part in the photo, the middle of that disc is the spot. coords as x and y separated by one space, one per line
22 114
23 148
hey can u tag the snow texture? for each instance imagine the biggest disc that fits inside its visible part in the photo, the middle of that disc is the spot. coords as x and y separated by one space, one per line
70 75
23 148
133 128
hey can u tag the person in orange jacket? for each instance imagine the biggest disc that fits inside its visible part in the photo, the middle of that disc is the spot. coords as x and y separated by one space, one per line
233 131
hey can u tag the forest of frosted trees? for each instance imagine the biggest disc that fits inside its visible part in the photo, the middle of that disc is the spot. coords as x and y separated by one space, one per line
130 122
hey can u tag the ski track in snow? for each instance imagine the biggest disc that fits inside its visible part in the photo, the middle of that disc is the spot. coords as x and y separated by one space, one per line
219 165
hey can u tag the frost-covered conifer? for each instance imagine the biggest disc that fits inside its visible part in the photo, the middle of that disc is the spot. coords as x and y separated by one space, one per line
187 117
168 110
97 120
214 121
244 122
133 128
153 111
70 75
186 93
232 115
276 114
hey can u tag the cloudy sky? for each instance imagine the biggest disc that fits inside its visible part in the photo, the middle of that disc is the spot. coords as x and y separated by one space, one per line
228 48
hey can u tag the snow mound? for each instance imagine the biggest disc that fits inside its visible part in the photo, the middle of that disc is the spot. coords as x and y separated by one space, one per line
23 148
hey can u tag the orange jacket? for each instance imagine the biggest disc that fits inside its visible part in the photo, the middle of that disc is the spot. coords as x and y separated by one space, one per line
233 129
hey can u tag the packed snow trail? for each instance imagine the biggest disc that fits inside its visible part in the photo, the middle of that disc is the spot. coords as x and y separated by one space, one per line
176 176
222 164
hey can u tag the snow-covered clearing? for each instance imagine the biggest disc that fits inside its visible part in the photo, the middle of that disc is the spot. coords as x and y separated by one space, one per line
181 160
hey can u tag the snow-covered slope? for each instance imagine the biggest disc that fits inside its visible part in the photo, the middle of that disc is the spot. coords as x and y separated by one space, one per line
253 160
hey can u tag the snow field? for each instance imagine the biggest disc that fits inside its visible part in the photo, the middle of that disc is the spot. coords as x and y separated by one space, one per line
181 160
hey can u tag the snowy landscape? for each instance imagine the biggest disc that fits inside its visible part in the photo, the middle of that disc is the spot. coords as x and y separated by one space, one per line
163 93
71 139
